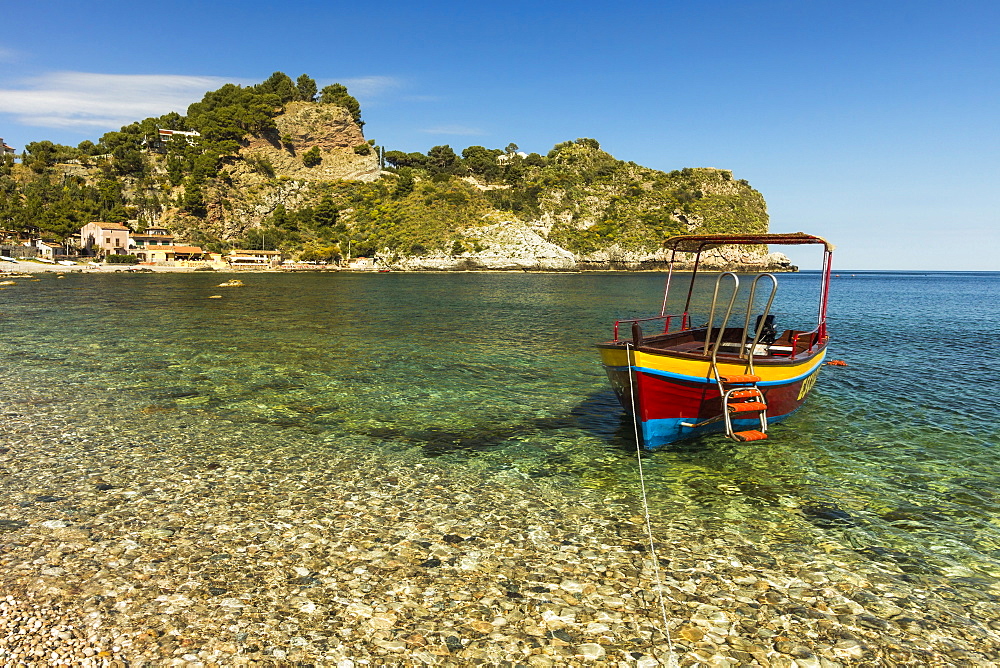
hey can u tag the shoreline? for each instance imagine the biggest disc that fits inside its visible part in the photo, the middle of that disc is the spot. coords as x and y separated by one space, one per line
8 269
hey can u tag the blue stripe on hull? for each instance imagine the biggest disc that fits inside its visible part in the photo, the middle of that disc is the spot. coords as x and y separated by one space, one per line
657 433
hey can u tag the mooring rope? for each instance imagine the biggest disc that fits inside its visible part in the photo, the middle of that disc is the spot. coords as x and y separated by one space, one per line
645 506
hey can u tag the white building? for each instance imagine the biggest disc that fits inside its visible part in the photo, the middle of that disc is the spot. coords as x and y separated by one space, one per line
170 135
46 250
163 137
362 264
505 158
253 258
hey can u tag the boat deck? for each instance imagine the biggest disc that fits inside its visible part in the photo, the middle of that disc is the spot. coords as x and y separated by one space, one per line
691 343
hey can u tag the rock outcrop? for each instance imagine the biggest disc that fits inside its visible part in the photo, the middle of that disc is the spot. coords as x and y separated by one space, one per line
513 245
302 127
504 245
752 258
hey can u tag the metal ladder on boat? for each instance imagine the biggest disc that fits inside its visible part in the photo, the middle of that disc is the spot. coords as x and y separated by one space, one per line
741 398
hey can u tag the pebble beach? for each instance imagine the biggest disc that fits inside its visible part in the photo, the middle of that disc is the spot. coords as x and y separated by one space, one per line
169 550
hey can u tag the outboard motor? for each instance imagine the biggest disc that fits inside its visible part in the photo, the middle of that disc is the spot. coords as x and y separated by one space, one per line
765 331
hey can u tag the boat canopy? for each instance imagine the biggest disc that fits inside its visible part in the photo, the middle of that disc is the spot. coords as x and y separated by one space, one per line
696 243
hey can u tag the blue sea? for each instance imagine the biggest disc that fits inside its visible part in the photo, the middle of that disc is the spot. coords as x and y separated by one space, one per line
893 461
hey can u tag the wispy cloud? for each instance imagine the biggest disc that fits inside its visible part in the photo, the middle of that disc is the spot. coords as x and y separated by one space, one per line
91 100
88 101
452 130
370 86
8 55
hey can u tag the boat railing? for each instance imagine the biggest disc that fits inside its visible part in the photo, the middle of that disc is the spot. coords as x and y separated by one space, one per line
748 351
725 318
814 340
667 320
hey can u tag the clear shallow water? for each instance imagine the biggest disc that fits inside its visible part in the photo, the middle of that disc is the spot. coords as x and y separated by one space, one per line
893 460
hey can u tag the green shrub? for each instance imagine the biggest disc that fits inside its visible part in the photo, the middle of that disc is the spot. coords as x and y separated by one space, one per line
260 164
312 157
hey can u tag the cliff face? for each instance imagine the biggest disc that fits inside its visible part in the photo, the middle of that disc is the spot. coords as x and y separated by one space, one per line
515 245
505 245
270 171
303 126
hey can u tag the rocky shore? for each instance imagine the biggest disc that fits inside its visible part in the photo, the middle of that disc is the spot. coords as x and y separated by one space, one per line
160 542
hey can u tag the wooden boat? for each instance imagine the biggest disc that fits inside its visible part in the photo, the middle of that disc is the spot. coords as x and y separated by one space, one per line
683 380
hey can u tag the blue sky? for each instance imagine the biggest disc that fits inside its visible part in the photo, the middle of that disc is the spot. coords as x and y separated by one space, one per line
875 124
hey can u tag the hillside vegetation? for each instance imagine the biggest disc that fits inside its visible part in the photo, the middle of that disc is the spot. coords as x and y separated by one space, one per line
284 165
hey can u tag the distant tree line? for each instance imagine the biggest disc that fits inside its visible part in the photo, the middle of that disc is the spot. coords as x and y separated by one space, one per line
489 165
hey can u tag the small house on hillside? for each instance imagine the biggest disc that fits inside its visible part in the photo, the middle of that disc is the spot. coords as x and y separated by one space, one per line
6 150
159 142
506 158
106 238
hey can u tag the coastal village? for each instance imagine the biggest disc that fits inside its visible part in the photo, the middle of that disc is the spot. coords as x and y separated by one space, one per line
154 247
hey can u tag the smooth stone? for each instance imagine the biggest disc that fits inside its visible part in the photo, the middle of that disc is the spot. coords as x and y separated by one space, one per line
590 651
848 649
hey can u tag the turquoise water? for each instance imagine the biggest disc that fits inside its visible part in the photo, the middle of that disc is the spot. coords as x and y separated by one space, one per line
892 461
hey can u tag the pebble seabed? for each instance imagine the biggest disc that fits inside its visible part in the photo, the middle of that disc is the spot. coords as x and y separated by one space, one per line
217 543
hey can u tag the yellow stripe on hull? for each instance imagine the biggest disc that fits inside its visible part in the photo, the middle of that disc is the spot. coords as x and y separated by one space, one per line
702 369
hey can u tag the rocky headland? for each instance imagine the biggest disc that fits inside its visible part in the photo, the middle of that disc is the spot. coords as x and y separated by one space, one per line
278 166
